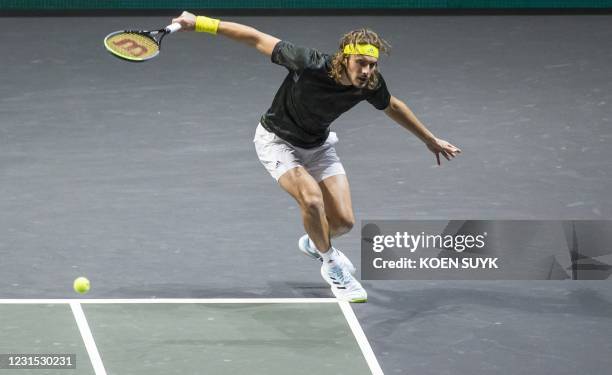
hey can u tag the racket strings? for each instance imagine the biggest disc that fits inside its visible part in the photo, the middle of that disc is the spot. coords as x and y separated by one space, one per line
132 46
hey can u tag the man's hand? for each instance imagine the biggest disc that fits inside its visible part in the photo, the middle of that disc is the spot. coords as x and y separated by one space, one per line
187 21
440 146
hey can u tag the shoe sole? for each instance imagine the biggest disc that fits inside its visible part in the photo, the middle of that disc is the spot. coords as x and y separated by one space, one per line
351 300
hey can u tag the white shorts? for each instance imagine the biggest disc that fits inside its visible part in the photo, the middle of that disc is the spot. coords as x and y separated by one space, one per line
278 156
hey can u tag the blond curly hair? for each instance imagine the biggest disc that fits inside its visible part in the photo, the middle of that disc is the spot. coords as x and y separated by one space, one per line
360 36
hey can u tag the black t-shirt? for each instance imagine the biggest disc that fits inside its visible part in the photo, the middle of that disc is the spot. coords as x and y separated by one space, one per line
309 99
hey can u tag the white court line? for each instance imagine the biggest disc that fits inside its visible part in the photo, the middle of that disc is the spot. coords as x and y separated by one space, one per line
170 300
90 344
361 338
75 304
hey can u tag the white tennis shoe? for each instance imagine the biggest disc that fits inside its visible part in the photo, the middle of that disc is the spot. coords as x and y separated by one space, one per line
306 248
343 285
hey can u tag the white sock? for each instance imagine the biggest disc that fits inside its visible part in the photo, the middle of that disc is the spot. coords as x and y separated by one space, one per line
329 255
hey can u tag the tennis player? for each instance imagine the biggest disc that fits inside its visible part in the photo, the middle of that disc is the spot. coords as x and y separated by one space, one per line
294 142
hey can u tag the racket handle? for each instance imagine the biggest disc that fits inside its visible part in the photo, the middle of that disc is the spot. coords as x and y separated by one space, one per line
173 28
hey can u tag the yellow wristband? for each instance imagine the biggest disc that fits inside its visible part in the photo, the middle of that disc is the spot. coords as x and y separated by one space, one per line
206 25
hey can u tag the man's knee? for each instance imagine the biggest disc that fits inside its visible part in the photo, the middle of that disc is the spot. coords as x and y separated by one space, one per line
311 202
342 225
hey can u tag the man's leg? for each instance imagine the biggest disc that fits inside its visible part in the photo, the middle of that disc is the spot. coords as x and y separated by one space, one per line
338 214
305 190
336 268
338 205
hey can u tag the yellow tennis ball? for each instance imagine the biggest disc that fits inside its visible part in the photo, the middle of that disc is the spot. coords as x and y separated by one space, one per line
81 285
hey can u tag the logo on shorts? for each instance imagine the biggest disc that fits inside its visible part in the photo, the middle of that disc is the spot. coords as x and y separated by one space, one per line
268 163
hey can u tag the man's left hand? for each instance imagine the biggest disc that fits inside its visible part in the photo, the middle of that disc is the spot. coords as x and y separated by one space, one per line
440 146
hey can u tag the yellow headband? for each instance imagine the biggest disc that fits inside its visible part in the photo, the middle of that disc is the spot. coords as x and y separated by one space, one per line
361 49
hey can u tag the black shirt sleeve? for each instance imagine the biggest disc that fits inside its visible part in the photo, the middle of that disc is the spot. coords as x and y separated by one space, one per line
297 58
380 96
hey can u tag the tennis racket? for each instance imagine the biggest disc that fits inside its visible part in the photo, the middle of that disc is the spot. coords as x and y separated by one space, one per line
138 45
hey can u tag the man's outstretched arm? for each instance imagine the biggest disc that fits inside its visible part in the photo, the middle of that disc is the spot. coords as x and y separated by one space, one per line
400 113
263 42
